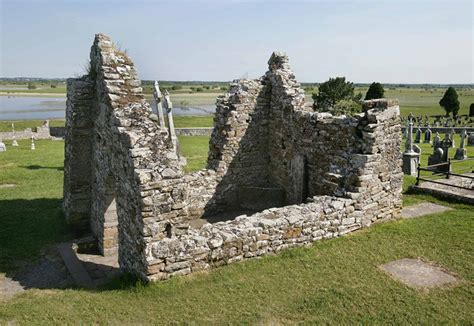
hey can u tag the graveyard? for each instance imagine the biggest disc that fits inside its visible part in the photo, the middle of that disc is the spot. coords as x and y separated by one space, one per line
215 228
236 162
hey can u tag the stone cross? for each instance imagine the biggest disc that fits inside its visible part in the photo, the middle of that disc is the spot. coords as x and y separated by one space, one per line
158 97
3 148
14 142
409 142
410 157
447 143
169 117
33 143
461 152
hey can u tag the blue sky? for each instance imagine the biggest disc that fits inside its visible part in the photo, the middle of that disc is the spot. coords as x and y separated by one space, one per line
387 41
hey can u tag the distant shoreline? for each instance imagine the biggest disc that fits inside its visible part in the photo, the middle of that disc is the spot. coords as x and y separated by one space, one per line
18 94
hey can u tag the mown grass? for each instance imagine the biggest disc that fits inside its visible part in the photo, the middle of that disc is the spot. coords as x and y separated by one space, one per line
195 149
21 125
336 281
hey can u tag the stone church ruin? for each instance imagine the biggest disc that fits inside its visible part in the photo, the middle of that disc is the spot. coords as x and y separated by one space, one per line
278 174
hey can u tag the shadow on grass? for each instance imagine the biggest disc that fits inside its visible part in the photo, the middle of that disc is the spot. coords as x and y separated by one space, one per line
39 167
28 228
29 234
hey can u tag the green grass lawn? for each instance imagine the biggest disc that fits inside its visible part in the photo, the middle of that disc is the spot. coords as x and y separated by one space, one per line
23 124
336 281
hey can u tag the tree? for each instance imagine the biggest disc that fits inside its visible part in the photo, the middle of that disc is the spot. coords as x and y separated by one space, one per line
375 91
333 91
471 110
450 102
31 86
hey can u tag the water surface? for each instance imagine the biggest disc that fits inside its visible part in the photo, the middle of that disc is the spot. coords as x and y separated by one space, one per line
42 108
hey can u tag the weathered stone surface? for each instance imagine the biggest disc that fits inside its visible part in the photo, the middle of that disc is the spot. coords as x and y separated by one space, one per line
418 274
330 175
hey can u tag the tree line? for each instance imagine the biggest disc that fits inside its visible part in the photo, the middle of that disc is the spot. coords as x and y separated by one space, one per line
338 96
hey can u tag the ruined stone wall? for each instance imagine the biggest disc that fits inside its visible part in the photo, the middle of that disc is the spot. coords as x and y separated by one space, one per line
77 153
347 169
307 175
127 154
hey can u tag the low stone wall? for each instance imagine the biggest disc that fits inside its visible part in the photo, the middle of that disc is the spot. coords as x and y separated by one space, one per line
246 237
40 133
193 131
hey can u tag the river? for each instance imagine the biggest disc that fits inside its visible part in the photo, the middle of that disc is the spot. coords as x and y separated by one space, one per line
42 108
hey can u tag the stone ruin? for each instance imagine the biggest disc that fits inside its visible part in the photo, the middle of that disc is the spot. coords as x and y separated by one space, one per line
278 174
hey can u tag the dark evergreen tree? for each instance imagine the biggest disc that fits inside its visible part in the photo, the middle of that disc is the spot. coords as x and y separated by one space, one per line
450 102
375 91
471 110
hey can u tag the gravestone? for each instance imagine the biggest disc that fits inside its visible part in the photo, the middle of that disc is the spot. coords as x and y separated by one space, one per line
418 274
427 139
3 148
418 136
436 157
470 139
410 157
33 147
14 142
158 97
437 141
461 152
446 144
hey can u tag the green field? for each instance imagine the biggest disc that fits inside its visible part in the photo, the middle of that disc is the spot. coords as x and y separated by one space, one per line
336 281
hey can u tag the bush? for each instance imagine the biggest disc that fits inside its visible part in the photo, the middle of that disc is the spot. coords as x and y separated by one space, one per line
53 86
375 91
176 87
199 89
224 88
206 87
31 86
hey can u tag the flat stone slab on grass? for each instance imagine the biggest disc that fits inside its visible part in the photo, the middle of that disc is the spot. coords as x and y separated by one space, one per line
423 209
418 274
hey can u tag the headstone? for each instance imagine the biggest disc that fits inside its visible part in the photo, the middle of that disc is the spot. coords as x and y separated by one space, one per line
427 139
3 147
470 139
437 141
33 143
436 157
411 159
418 136
446 144
168 106
461 152
14 142
452 138
158 97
